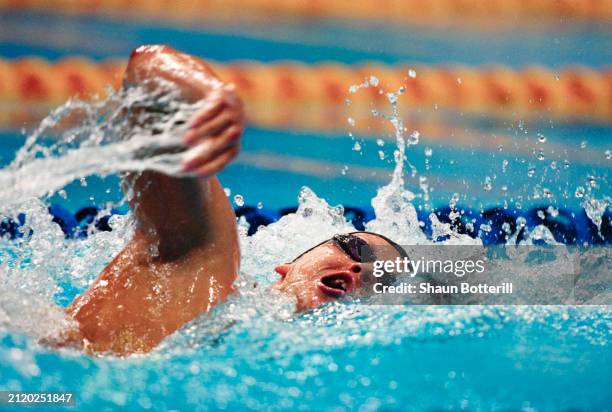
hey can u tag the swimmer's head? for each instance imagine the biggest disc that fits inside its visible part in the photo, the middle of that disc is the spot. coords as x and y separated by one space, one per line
334 268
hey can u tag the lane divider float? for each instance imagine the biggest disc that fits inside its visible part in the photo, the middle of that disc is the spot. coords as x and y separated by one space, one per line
295 95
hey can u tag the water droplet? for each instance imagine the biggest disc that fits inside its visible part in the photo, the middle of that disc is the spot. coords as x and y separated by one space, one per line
540 155
353 89
541 138
554 212
592 181
83 182
428 151
62 193
228 191
380 142
392 97
412 73
357 147
547 193
504 165
381 155
583 144
553 165
414 138
351 121
345 169
518 205
454 200
373 81
579 192
531 171
504 188
259 205
401 90
608 154
487 185
566 164
500 148
459 80
541 214
239 200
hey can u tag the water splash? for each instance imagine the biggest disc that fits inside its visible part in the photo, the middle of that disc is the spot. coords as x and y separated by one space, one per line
395 214
595 209
130 130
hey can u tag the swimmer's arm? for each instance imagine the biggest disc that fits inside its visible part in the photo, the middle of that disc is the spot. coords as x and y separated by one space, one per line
184 211
184 255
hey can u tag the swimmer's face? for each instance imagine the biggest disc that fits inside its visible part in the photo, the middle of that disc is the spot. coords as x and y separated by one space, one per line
328 271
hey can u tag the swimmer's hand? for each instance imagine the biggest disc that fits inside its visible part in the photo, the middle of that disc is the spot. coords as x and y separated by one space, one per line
214 133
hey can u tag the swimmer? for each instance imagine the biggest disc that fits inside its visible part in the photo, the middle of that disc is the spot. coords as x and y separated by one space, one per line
184 256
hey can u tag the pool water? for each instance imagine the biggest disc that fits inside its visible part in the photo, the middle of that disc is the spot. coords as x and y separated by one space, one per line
382 358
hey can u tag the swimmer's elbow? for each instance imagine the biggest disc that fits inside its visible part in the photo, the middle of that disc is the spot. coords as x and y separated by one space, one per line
148 50
190 73
141 64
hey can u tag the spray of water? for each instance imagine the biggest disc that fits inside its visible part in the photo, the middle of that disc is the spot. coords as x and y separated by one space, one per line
131 130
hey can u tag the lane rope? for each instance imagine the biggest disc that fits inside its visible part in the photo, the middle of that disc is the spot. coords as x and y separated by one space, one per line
292 94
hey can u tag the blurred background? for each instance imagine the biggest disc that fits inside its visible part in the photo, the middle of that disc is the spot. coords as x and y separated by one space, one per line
510 100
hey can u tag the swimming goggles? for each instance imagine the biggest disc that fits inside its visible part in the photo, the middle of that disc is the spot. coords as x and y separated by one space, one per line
355 247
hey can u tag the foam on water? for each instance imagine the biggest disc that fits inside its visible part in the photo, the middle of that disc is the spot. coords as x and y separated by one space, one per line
217 356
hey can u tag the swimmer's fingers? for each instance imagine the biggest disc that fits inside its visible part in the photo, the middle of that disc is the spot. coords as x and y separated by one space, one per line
207 112
210 128
223 112
218 163
212 148
215 103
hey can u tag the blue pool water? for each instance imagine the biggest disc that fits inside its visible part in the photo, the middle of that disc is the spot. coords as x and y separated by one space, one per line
492 361
251 354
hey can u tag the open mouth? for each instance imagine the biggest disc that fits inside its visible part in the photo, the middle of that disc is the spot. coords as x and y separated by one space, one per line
336 285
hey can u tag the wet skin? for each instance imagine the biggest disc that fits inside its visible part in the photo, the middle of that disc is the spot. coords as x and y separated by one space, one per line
184 257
